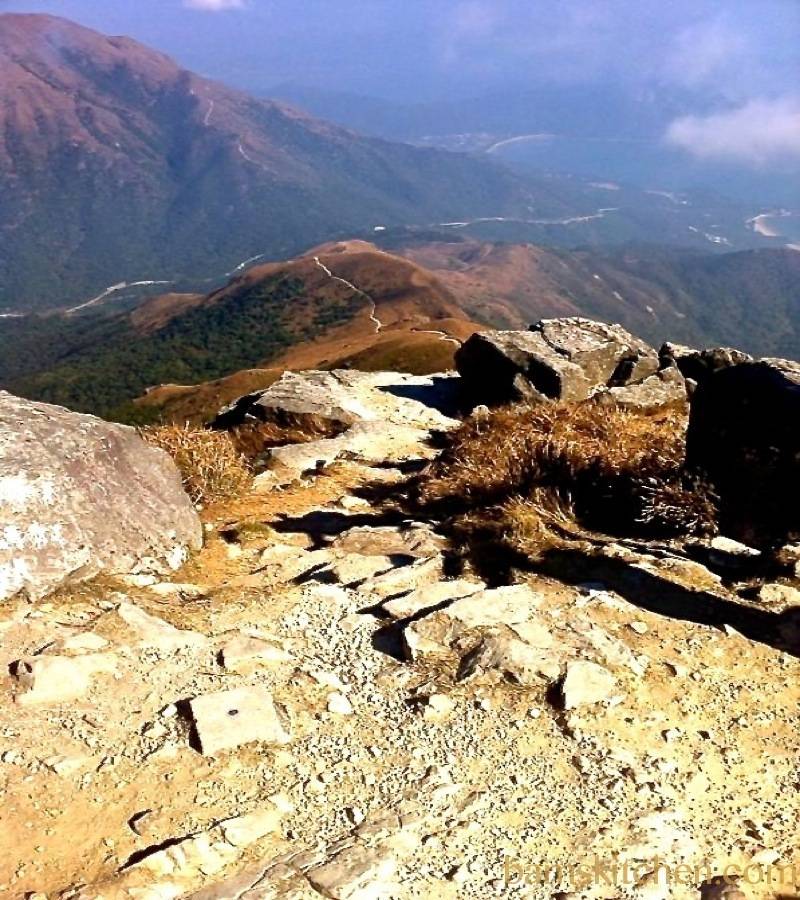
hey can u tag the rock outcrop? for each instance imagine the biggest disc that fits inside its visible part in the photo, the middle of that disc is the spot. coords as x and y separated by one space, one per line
697 365
557 359
342 701
665 388
80 496
343 397
375 416
744 437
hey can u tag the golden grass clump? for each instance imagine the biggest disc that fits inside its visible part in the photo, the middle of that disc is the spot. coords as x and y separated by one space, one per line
563 468
210 464
254 439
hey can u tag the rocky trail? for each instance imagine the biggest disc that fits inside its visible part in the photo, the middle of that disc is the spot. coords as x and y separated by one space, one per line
328 700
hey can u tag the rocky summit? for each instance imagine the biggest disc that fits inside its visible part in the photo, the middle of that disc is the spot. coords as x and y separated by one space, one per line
349 692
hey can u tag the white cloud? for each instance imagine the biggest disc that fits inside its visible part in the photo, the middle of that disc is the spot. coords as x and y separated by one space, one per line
705 52
759 133
214 5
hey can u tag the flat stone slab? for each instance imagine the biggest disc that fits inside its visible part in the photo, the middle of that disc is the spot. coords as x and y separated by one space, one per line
586 683
228 719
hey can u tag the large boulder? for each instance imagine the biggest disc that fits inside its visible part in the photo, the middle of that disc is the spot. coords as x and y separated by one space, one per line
80 496
557 359
744 437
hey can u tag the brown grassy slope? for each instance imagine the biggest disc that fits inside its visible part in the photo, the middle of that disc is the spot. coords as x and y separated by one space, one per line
414 308
156 312
197 403
512 285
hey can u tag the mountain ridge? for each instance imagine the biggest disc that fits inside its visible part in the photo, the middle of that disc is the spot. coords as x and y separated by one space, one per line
122 166
322 310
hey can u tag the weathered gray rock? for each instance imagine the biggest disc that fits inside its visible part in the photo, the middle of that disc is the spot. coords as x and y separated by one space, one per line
662 390
441 630
498 629
699 364
418 541
367 416
430 597
353 568
558 359
521 661
743 437
403 578
345 397
79 496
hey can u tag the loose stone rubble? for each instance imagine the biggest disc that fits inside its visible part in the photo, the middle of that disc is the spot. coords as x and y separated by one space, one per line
332 708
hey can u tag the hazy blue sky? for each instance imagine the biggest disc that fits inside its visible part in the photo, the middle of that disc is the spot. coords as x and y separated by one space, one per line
398 48
745 53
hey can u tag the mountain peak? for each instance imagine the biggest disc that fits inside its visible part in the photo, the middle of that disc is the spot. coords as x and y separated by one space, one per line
126 167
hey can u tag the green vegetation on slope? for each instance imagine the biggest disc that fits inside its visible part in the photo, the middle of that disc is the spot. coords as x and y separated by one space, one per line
99 366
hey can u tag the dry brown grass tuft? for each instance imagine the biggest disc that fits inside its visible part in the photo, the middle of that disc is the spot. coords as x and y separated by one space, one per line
211 466
253 440
559 469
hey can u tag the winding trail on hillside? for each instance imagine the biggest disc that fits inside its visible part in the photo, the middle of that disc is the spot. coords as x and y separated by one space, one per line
373 308
247 158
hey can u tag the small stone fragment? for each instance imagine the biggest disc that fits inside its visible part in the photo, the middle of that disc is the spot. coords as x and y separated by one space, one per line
356 873
586 683
87 642
245 650
68 765
779 595
242 831
339 704
438 706
155 632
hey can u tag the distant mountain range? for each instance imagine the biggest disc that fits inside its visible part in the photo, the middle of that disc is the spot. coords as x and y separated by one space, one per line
116 165
358 304
578 110
119 169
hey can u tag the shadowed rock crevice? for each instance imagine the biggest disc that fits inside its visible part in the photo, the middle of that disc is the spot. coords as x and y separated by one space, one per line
666 598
